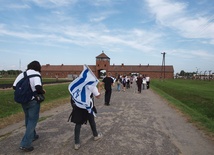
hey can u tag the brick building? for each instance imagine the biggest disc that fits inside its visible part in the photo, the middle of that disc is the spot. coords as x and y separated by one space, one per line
103 63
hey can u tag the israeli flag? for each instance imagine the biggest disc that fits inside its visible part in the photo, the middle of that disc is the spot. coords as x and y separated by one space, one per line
79 89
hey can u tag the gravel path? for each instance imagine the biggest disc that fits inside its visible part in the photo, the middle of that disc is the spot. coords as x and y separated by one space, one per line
137 124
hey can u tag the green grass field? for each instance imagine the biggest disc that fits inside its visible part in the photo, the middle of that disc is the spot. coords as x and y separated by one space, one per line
11 80
55 95
193 97
8 106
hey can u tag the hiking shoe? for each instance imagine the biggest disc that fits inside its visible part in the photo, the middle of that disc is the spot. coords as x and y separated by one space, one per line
76 146
98 137
36 137
26 149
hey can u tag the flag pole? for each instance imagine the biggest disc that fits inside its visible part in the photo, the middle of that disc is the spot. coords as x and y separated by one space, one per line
91 71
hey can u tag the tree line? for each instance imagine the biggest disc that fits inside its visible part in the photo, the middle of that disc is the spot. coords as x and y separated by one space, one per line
195 75
9 73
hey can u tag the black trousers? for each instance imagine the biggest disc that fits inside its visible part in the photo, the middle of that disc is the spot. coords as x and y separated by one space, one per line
139 86
107 96
78 128
147 84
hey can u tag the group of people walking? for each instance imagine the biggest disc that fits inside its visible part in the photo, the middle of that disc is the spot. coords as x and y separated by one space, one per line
126 82
107 82
123 82
80 114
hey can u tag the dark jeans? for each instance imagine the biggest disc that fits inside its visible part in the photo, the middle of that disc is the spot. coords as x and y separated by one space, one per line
147 84
107 96
78 127
31 111
139 86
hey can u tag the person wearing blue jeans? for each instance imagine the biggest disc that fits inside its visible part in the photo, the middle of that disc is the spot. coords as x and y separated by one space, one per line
119 82
31 109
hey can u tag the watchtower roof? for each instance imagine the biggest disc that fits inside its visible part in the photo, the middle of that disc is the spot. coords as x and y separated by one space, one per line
102 55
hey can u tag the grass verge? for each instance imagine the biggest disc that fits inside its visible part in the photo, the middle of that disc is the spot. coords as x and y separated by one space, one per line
193 98
11 112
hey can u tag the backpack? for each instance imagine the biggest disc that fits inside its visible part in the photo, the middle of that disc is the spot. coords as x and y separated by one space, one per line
23 92
124 81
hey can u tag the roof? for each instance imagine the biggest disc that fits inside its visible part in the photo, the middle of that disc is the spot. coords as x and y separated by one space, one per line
112 68
64 68
102 55
137 68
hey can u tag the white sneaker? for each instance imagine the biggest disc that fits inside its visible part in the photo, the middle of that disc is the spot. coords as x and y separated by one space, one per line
98 137
76 146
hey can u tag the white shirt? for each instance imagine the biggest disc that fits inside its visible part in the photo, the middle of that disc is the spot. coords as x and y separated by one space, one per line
34 81
91 89
144 81
94 90
148 78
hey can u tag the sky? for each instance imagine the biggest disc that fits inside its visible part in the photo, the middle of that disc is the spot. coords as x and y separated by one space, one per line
132 32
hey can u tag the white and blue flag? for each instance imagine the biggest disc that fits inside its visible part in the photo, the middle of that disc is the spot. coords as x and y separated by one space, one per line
79 89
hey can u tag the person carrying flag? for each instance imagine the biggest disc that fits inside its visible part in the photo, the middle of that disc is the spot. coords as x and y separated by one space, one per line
82 90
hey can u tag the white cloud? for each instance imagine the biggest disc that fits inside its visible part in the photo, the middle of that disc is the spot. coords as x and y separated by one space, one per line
23 35
165 11
98 19
175 16
18 6
53 3
101 16
212 42
90 35
104 2
190 54
202 54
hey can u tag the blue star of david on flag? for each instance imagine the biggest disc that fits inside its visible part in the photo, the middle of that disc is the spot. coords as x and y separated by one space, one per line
78 88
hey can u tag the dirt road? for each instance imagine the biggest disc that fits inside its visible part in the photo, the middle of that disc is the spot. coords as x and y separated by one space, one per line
137 124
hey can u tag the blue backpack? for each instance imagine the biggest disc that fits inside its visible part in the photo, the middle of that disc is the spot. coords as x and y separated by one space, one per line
23 92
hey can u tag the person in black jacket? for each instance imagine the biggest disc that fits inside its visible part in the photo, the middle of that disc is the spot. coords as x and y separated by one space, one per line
139 83
108 82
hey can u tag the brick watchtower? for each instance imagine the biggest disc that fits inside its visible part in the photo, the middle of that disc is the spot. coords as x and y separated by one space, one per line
102 63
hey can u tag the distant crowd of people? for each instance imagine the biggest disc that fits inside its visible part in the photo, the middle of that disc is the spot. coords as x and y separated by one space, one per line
125 82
